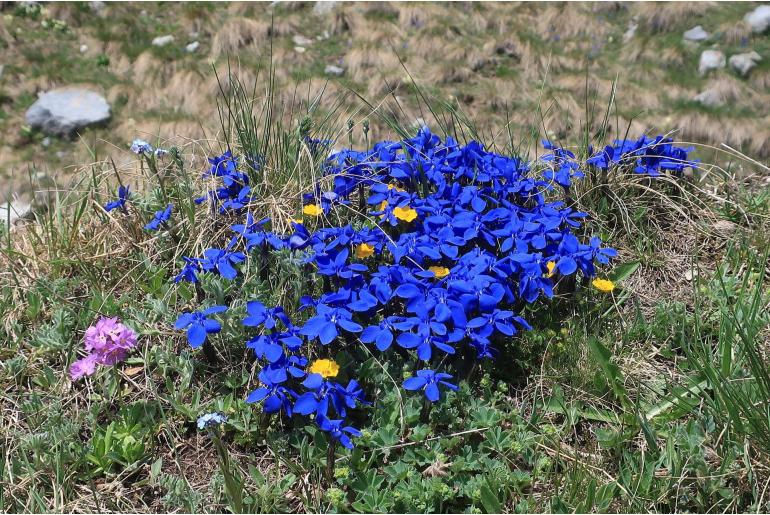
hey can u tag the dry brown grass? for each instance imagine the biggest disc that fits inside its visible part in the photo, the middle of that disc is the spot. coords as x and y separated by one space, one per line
239 33
663 16
752 134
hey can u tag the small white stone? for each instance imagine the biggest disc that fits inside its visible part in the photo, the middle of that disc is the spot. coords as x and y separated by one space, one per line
46 141
299 49
12 211
758 19
336 71
83 49
162 40
709 98
743 63
711 60
192 47
696 33
300 40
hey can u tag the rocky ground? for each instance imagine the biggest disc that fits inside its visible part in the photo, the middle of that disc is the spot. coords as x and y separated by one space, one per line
699 68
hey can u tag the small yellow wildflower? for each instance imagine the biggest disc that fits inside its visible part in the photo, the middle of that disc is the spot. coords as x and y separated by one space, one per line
439 271
406 214
604 285
325 367
297 220
395 187
551 265
383 205
312 210
364 250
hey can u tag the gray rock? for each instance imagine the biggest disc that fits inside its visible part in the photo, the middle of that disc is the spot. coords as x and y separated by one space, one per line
709 98
321 8
192 47
300 40
14 210
711 60
162 40
758 19
743 63
696 34
61 112
335 71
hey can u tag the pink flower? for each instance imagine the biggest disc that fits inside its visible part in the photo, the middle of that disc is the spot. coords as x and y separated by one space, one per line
83 367
108 342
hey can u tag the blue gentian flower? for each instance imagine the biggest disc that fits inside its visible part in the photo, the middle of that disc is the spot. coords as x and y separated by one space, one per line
198 325
190 270
428 381
123 194
326 323
259 315
161 217
337 431
222 261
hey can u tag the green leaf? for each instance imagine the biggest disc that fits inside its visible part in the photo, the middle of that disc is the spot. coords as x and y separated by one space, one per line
489 500
155 469
611 371
623 271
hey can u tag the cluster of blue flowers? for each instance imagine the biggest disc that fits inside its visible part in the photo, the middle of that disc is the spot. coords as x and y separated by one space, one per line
453 242
647 156
235 192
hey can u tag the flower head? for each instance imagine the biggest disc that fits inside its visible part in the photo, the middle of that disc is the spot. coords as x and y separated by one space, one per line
325 367
139 147
198 325
83 367
123 193
603 285
211 420
428 381
107 342
364 251
160 218
312 210
407 214
439 271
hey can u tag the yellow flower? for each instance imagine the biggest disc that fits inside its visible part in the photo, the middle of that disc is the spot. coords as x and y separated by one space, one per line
383 205
312 210
394 187
406 214
551 265
297 220
364 251
325 367
604 285
439 271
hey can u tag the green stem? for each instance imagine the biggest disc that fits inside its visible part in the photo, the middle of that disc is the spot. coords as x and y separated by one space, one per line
331 451
233 483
